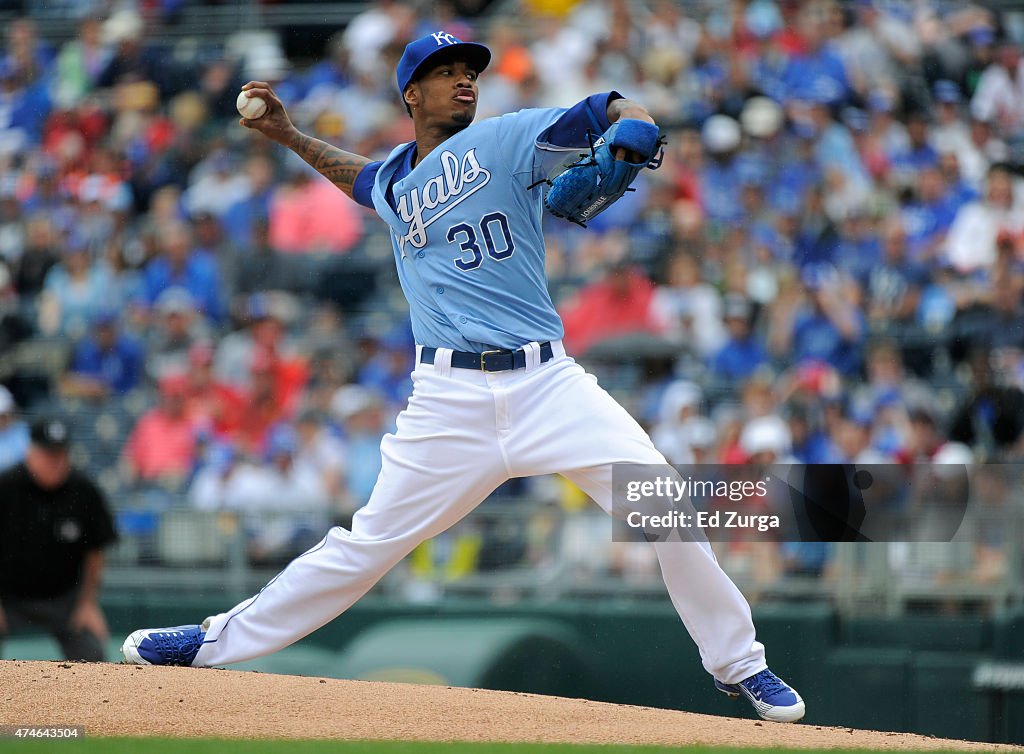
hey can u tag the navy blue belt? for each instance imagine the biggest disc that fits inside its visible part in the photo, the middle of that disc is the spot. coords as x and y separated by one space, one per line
500 360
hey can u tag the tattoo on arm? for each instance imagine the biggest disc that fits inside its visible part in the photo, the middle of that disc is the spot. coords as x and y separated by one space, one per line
336 165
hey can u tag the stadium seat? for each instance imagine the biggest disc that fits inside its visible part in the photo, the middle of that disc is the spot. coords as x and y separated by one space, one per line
187 537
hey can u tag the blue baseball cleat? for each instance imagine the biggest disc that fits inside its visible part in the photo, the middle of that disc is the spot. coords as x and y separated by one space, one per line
773 699
163 646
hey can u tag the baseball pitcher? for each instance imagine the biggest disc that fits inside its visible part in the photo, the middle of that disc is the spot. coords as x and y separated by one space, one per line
495 395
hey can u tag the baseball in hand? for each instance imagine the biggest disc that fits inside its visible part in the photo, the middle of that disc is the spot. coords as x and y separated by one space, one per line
251 107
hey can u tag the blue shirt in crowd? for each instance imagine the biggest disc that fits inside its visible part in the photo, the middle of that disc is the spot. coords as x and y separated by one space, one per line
200 277
817 76
120 368
816 338
738 359
14 439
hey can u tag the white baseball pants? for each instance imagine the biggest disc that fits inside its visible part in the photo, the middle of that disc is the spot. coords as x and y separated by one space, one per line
463 433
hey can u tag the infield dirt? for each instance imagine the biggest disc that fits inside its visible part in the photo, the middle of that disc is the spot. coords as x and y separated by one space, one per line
127 700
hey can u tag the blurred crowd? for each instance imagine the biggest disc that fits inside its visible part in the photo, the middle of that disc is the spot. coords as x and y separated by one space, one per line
828 266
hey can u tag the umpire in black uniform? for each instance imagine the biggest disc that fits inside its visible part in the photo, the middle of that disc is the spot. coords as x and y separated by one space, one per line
54 524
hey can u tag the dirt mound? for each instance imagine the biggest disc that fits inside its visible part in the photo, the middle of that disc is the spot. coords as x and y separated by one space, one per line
131 700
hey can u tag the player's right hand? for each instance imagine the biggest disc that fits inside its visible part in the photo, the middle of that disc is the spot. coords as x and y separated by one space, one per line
275 123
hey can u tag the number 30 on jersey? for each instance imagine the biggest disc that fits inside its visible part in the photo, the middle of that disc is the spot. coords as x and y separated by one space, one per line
497 237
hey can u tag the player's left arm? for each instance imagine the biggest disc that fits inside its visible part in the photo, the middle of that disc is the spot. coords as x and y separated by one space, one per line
597 180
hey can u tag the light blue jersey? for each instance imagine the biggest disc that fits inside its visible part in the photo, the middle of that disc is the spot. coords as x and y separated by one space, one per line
466 227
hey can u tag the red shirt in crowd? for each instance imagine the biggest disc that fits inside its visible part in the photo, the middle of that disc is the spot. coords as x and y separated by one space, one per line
617 305
314 217
161 446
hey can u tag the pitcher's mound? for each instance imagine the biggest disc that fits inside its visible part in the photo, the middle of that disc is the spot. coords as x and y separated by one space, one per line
126 700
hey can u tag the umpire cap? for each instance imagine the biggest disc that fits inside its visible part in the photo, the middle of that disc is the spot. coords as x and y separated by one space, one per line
418 52
50 433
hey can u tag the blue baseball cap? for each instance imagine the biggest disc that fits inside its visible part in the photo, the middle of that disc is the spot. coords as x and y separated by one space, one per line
880 100
860 415
220 456
981 36
856 119
418 52
816 275
282 440
104 317
947 91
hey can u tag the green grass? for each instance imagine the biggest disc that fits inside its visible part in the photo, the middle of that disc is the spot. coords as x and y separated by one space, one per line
97 745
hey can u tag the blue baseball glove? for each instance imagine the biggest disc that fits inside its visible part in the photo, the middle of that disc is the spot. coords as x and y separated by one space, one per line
592 183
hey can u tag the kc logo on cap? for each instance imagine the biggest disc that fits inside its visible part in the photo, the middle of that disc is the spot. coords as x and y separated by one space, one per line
418 53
